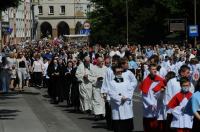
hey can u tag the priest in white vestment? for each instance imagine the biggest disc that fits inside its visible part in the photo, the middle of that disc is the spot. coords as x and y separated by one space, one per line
86 77
98 104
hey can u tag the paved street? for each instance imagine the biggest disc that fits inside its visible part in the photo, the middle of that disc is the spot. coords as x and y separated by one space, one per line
31 112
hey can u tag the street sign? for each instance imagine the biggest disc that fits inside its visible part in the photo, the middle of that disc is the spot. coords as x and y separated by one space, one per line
193 31
85 31
5 27
177 25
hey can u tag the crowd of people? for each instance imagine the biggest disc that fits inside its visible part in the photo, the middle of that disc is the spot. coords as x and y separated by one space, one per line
102 80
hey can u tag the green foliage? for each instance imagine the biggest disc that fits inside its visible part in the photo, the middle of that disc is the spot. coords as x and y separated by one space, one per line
4 4
148 19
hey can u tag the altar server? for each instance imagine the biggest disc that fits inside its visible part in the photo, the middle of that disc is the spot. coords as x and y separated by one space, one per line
181 122
121 94
151 87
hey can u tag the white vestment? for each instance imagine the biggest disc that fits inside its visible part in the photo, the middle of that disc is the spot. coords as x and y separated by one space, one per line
173 87
180 119
85 88
109 76
121 110
129 76
98 104
150 99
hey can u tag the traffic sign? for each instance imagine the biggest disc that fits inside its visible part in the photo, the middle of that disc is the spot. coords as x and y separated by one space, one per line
193 31
85 31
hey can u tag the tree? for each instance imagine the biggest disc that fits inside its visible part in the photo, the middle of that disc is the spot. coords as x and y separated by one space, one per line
148 19
4 4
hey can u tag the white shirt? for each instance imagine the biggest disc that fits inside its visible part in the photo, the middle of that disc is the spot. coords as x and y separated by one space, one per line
112 53
38 66
46 65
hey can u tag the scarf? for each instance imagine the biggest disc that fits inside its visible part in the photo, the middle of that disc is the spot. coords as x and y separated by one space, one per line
146 83
178 98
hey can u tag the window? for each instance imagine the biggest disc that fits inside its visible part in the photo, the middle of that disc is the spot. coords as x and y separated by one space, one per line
40 9
62 10
51 10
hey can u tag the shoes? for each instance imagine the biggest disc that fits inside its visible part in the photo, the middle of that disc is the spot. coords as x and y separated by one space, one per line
53 101
98 117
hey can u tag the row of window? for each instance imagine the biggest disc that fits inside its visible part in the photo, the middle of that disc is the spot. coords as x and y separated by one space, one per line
51 9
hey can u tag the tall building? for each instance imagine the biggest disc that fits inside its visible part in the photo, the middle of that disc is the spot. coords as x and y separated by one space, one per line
55 18
19 22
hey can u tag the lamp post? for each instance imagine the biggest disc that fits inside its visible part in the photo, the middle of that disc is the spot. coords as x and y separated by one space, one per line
127 23
195 20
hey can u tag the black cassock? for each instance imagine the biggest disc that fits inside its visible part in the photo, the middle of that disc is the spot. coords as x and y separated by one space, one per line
75 90
67 84
55 82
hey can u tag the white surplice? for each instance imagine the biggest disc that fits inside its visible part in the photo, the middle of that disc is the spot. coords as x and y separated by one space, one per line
181 119
121 110
129 76
150 99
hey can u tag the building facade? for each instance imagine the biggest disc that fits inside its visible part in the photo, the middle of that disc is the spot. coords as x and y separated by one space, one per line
19 22
56 18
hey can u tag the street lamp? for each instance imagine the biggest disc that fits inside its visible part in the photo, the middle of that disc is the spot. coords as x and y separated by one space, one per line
127 23
195 20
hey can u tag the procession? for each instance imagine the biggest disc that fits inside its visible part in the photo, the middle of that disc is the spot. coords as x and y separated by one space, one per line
99 66
101 81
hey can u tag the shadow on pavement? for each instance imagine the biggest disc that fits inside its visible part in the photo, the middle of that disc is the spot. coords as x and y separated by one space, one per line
30 93
101 125
87 118
45 96
8 97
6 114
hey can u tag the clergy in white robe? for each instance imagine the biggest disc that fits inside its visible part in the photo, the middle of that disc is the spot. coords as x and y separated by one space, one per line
181 122
109 76
121 93
151 87
86 77
98 104
172 88
127 74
